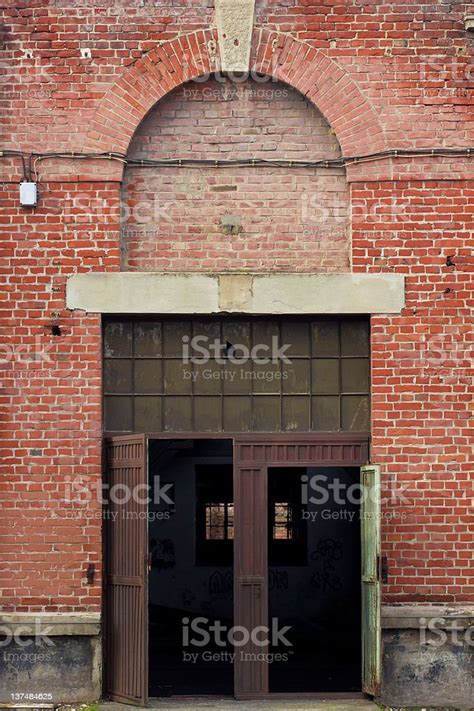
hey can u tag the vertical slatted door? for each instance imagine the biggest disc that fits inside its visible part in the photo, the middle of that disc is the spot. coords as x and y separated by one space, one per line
251 577
126 583
371 587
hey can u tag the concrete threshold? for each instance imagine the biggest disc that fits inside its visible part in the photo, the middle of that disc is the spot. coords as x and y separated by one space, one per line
228 704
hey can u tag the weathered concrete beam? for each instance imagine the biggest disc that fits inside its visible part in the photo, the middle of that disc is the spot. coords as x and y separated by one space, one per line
142 293
52 624
400 617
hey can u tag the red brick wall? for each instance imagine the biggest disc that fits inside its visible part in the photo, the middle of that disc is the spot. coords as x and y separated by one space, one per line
51 396
422 382
291 219
392 75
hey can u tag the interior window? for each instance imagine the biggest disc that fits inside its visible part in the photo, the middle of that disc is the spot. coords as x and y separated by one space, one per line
214 514
287 528
219 521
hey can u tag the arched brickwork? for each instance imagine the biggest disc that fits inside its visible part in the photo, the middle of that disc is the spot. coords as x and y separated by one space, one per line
323 81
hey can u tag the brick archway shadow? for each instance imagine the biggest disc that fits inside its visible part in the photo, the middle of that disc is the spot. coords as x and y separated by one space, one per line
191 56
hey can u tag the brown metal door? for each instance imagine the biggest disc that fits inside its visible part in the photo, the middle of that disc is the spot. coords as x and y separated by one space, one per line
126 578
252 457
250 576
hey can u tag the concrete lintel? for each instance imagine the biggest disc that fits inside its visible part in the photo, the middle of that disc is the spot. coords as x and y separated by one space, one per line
142 292
416 616
328 293
147 292
51 624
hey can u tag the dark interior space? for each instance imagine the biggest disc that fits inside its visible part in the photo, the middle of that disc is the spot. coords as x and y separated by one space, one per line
314 578
313 573
191 567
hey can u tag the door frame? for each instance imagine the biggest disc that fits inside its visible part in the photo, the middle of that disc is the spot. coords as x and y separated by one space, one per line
256 452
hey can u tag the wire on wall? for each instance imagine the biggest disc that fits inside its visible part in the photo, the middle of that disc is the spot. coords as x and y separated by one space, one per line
30 160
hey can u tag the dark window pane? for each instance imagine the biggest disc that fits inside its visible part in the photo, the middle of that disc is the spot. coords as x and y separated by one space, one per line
236 414
355 375
263 334
118 414
118 376
147 414
208 330
325 338
148 376
147 339
173 334
208 378
295 414
266 378
177 414
296 335
207 414
177 377
236 333
325 375
325 412
237 378
117 340
296 377
206 337
355 338
266 413
355 413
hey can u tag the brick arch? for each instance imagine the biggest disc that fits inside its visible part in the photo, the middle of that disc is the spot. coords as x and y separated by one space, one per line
171 64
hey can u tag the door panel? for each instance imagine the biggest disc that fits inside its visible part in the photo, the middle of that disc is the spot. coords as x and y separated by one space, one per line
251 589
126 546
370 553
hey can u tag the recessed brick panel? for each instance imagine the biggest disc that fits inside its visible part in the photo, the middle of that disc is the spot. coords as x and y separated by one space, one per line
288 218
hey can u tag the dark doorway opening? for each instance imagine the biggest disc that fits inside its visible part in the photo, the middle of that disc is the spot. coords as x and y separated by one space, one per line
314 578
191 540
249 535
313 572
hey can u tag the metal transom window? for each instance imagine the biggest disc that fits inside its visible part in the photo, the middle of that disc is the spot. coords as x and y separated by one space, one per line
236 375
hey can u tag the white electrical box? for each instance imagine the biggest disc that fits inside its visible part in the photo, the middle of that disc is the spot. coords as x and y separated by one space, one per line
28 194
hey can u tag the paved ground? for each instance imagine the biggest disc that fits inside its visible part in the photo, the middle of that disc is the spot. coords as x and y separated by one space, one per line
232 705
